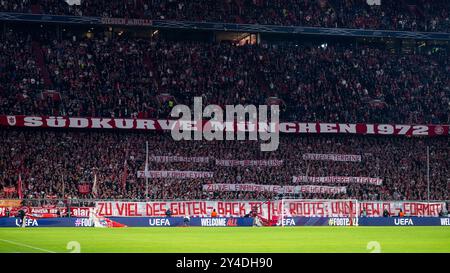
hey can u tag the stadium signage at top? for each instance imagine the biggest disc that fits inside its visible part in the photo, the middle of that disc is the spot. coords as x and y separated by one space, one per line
126 21
167 125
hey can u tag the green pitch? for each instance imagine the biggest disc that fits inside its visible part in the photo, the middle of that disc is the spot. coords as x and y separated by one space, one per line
232 239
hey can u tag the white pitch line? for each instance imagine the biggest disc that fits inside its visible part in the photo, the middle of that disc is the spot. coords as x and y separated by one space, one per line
20 244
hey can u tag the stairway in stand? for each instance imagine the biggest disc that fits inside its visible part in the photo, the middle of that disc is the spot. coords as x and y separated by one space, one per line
40 62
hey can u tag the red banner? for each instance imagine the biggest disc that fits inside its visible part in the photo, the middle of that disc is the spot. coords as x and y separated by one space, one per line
19 187
3 212
12 203
9 189
84 188
36 212
283 127
51 211
47 211
80 211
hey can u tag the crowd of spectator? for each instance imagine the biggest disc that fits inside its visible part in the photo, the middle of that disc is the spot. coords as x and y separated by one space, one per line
418 15
20 79
110 75
124 77
53 163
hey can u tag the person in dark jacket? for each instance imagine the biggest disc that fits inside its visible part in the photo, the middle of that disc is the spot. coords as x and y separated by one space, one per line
168 213
22 217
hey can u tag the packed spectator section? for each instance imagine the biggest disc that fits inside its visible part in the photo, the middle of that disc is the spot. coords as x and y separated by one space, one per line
411 15
106 73
53 164
118 76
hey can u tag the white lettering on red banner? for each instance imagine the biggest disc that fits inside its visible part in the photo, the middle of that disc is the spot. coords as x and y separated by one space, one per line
50 211
80 211
284 127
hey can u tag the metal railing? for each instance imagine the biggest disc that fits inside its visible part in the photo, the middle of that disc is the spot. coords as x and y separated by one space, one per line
220 26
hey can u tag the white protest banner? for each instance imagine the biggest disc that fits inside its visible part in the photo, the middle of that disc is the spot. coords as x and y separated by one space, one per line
268 209
166 158
410 208
175 174
274 188
193 208
337 179
257 163
332 157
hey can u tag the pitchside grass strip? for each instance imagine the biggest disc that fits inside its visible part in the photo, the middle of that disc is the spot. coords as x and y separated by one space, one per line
232 239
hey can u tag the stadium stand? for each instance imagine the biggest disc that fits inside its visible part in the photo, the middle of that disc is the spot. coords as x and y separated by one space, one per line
418 15
121 73
46 158
103 77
